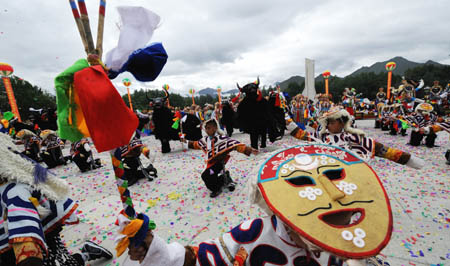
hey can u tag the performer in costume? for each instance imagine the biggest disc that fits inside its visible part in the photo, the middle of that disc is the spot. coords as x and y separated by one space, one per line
33 209
132 165
325 206
436 96
253 114
144 119
438 126
217 147
51 151
380 101
349 100
324 103
395 118
386 112
395 93
335 129
228 117
81 154
277 106
162 119
31 142
191 125
299 109
421 118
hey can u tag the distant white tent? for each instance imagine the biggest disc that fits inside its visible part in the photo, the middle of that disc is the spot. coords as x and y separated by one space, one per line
310 90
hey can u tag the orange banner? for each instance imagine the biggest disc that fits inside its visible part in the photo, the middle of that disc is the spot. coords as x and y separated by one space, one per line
11 98
326 86
389 85
129 99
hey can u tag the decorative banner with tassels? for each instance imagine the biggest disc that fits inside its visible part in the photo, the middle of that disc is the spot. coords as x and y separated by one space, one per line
100 113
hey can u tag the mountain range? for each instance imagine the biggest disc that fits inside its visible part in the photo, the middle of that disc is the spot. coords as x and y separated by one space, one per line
213 92
402 64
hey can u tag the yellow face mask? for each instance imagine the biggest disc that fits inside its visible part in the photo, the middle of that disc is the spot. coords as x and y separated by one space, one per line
329 197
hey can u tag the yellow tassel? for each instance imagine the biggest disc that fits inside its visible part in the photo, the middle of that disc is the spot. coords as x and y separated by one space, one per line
34 201
129 231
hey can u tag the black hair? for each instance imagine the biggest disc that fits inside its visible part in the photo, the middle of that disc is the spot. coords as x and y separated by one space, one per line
211 122
342 119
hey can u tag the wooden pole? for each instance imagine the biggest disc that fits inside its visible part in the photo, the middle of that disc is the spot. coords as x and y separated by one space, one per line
101 24
86 26
76 16
326 86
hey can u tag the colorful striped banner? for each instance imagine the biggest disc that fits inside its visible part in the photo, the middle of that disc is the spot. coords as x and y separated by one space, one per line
77 18
11 98
86 26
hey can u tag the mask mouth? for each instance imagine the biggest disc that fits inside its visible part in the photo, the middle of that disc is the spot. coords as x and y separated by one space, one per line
343 218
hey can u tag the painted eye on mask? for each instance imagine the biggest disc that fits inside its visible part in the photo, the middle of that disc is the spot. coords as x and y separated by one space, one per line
334 174
300 181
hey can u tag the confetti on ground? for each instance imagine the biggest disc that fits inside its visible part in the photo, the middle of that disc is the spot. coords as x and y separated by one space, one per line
179 202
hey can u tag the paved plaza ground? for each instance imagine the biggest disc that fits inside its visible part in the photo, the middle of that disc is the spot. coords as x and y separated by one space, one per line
179 202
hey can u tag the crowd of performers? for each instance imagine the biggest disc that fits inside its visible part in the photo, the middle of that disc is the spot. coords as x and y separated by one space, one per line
416 107
280 239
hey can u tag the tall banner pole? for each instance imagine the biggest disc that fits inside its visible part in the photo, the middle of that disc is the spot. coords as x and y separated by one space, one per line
127 84
192 91
166 88
326 75
5 71
390 66
101 25
219 89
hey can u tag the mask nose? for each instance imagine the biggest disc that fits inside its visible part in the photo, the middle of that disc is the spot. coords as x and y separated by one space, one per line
330 188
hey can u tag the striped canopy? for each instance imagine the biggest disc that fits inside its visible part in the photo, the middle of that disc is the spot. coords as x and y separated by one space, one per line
5 69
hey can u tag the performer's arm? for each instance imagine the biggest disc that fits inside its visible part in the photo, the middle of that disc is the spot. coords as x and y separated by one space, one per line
246 150
434 128
398 156
300 134
194 145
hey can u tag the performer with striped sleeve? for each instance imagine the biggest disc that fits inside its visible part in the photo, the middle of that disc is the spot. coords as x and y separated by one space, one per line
335 130
33 209
217 146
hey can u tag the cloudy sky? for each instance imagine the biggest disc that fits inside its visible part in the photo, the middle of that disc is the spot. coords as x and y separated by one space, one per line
218 43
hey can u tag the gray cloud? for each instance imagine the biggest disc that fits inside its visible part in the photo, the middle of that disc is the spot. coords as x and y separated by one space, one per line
212 43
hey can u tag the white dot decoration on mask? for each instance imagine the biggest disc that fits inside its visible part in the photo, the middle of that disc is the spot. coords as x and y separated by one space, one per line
331 160
360 233
347 235
303 159
310 193
324 162
286 166
347 188
357 239
323 157
284 171
358 242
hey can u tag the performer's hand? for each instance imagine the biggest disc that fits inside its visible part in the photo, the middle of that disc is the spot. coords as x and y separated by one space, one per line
138 253
421 130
